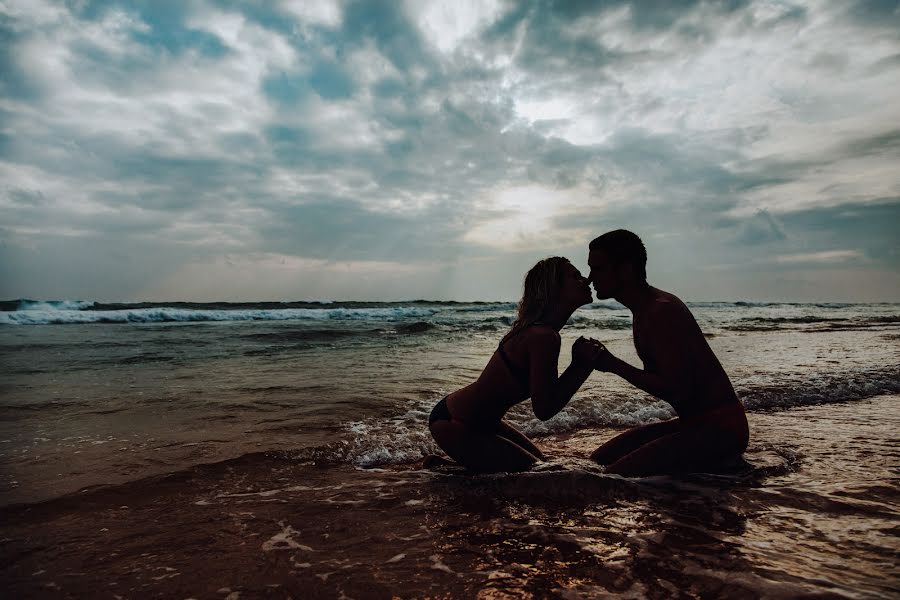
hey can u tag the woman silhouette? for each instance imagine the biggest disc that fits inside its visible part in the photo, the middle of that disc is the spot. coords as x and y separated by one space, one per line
468 424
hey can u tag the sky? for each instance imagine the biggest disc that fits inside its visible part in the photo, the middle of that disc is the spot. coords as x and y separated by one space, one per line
298 150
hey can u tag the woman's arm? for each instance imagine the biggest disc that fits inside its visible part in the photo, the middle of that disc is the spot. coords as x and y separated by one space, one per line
549 393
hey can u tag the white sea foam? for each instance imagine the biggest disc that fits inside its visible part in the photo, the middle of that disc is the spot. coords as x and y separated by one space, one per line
712 316
405 437
819 388
46 316
488 307
285 540
53 305
438 565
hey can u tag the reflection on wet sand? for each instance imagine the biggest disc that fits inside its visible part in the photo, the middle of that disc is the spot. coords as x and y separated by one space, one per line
795 520
579 530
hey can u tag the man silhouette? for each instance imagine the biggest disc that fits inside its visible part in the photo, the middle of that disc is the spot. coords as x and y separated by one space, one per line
679 368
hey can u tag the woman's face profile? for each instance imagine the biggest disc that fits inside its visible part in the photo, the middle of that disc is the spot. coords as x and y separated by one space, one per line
575 289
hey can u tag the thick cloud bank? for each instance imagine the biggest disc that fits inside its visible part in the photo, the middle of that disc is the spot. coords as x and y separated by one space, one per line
385 150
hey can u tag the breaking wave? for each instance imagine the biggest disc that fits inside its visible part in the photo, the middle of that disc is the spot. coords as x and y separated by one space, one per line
51 315
405 437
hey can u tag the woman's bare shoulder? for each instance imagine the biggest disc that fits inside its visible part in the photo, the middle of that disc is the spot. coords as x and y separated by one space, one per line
542 333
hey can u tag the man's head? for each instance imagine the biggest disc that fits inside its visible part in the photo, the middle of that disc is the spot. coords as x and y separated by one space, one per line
618 260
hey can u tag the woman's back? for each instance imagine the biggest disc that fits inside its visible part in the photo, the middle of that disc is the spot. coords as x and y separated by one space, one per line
502 384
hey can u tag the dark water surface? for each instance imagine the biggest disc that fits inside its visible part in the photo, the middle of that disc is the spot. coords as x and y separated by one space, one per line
814 513
254 451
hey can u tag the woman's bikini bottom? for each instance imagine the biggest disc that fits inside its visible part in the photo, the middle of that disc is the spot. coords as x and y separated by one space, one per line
440 412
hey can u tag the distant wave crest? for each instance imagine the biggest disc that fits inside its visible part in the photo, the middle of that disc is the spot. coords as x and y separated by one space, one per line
36 315
53 305
813 322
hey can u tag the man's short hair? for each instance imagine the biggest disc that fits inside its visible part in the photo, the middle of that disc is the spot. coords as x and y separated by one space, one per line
623 246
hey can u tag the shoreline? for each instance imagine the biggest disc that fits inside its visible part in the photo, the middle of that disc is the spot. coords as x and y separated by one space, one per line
267 526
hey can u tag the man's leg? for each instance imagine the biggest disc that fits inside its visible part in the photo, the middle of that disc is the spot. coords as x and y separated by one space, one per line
688 449
631 440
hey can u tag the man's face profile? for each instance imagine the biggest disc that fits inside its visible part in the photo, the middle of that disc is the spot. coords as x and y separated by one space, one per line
603 274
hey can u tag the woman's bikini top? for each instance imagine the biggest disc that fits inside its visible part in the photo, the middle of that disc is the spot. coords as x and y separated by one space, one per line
519 374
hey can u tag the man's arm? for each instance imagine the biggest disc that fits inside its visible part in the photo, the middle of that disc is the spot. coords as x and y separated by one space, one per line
669 378
649 381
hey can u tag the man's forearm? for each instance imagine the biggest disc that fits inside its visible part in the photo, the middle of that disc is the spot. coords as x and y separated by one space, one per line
651 383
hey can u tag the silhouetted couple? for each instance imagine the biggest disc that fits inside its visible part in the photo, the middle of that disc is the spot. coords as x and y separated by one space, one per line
679 368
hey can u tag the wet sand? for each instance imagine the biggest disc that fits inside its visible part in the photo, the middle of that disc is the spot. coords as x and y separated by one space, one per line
815 514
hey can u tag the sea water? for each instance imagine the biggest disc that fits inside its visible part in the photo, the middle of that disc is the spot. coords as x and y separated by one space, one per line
287 437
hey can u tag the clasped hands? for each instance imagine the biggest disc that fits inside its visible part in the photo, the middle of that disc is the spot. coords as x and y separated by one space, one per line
588 351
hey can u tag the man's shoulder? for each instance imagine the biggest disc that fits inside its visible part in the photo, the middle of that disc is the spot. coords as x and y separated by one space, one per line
669 308
667 302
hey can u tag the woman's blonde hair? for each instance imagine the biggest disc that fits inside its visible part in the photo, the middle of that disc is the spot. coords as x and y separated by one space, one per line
541 291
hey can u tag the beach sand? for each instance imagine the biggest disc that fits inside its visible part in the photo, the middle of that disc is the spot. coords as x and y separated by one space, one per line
815 514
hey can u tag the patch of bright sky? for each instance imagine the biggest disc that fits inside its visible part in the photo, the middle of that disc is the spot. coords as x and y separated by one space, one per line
158 105
321 12
829 185
828 256
288 183
521 216
744 77
35 13
446 23
63 197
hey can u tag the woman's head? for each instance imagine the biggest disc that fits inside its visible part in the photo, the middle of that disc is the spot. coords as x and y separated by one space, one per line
549 283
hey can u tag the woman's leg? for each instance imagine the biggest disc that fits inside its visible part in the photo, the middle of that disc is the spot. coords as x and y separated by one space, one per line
481 452
631 440
506 429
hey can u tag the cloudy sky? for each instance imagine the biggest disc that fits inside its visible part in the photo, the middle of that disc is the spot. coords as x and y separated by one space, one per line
292 150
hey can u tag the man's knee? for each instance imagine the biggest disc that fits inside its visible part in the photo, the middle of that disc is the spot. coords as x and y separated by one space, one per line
601 455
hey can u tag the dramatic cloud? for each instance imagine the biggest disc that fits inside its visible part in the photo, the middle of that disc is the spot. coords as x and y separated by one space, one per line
217 150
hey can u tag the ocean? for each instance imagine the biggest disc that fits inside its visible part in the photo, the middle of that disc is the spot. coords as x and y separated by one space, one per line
242 450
